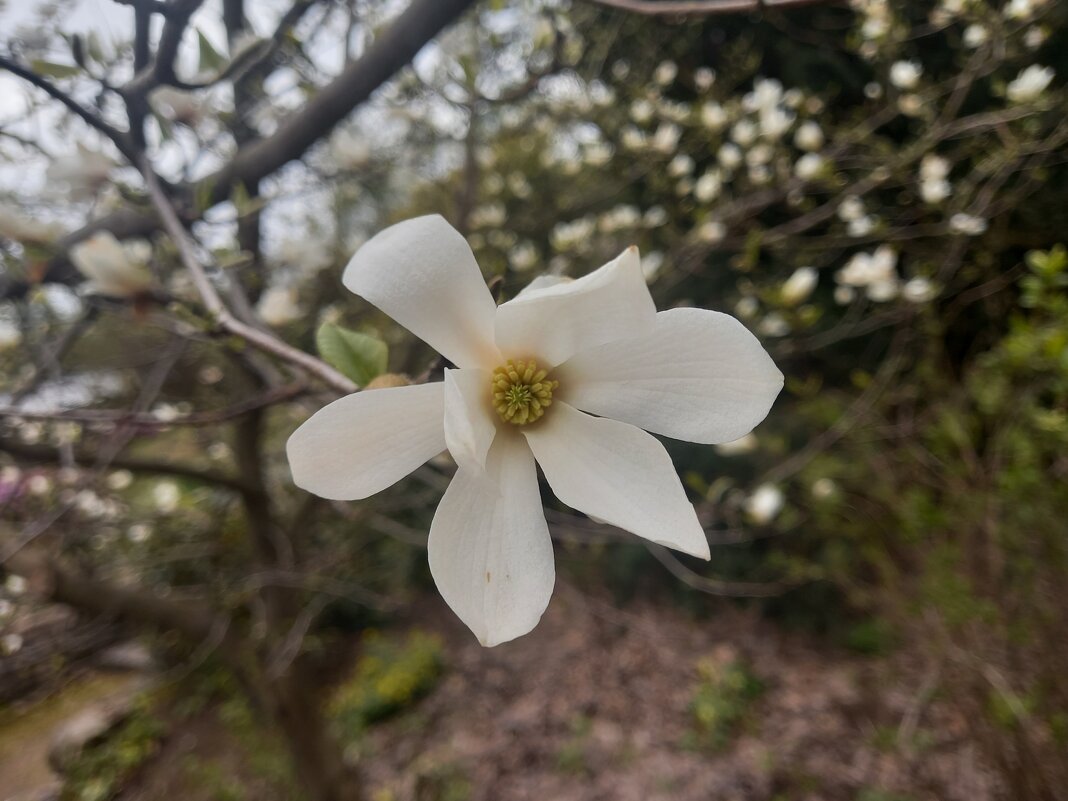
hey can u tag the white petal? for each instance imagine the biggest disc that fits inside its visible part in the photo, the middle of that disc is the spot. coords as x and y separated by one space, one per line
542 282
490 552
554 322
616 473
699 376
363 443
422 273
469 416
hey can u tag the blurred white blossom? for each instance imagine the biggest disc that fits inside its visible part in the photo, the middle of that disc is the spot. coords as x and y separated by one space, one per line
809 136
764 504
278 306
1029 85
918 290
799 286
967 224
111 267
905 74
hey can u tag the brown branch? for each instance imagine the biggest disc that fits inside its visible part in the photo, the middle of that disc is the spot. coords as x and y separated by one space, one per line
56 582
387 55
390 52
714 586
214 302
119 138
150 421
44 454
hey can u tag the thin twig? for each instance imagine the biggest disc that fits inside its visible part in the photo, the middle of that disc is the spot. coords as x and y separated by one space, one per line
213 301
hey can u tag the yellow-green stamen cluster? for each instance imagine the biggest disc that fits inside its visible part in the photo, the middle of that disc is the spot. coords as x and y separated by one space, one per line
521 391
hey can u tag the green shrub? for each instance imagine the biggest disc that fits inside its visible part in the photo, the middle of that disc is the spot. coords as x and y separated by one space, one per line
391 674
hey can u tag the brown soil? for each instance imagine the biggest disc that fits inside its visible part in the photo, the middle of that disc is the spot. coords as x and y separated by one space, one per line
595 705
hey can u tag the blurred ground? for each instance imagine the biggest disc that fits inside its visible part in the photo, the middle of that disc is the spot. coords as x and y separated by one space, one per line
595 704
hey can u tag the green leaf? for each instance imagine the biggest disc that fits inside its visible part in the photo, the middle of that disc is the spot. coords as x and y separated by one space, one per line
359 356
52 70
210 58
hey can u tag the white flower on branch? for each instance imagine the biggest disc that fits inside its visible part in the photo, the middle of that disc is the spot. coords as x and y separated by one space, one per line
809 136
84 172
799 286
1029 85
905 74
14 225
278 306
764 504
967 224
113 268
530 377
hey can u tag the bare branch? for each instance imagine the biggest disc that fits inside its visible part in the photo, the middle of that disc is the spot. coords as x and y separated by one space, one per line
214 303
44 454
120 138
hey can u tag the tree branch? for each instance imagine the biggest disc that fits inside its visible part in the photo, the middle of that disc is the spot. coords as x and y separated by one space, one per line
43 454
423 20
58 583
120 138
214 303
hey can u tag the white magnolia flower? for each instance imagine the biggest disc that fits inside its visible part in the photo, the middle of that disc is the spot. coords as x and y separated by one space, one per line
851 209
530 377
744 132
799 286
181 106
666 138
523 256
711 231
1019 9
708 186
166 496
10 335
824 488
809 166
15 585
680 165
714 116
278 306
935 191
764 504
967 224
933 167
1029 85
809 136
975 35
311 253
112 268
737 447
844 295
641 111
666 72
875 272
84 172
905 74
918 290
774 123
703 78
729 155
766 95
349 149
26 230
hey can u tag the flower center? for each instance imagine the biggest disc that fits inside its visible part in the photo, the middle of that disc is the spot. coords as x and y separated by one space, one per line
521 391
